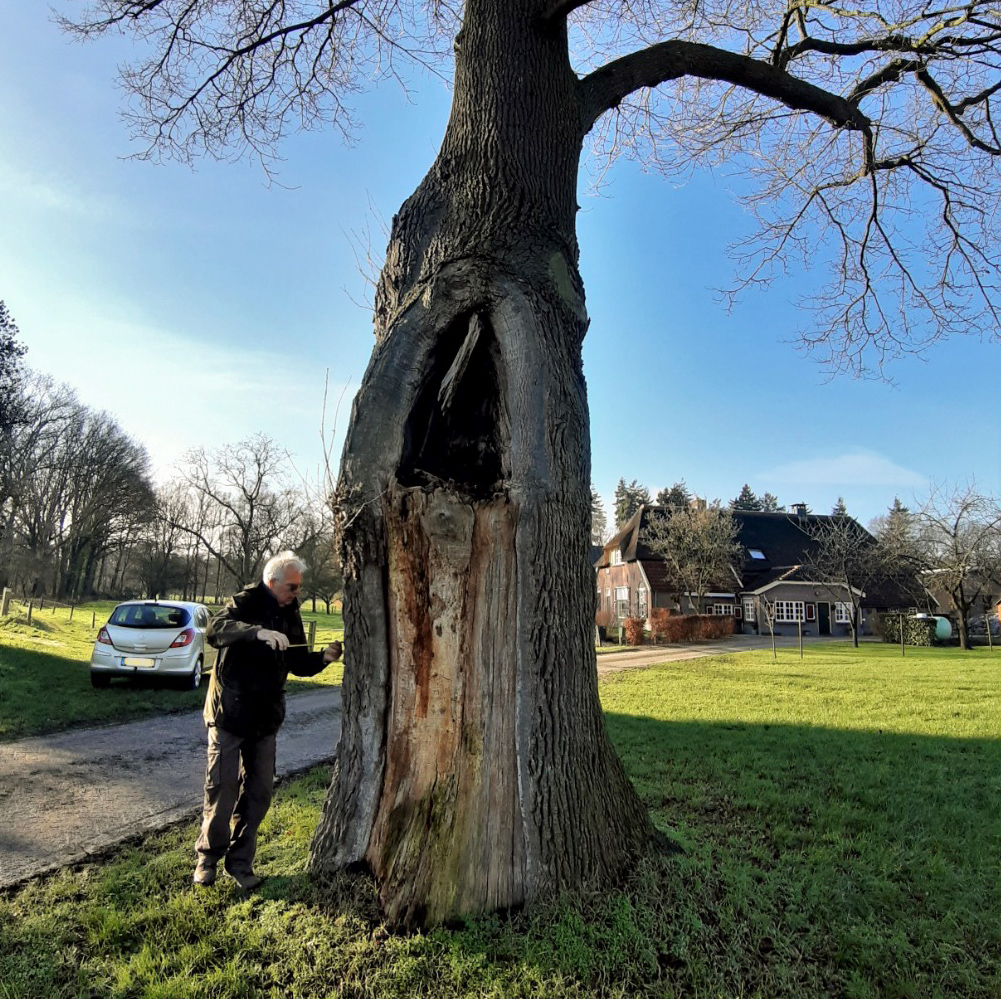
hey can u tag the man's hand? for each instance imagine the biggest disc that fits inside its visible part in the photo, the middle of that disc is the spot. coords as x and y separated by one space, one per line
275 639
332 652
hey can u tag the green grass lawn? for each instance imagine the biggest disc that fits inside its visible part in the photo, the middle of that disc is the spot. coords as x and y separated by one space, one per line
840 815
45 680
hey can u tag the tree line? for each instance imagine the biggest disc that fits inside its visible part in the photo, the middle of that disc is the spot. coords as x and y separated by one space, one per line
630 496
81 517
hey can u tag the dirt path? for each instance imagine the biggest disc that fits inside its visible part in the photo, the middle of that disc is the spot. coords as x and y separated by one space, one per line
65 797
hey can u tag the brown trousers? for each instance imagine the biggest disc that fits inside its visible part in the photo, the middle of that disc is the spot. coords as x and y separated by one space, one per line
239 784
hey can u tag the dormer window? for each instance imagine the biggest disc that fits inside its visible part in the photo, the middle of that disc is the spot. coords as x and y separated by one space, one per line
616 557
756 553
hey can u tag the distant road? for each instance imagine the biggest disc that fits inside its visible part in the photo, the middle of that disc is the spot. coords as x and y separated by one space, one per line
645 655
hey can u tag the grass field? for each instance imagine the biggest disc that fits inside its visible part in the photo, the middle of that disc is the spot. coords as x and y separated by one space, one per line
840 815
45 680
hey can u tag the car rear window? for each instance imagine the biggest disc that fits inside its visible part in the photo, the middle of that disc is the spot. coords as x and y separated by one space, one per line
149 616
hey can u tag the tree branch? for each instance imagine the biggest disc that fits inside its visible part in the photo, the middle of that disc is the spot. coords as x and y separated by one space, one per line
605 88
561 10
942 103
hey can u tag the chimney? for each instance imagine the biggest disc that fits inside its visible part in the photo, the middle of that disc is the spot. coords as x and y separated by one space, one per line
800 510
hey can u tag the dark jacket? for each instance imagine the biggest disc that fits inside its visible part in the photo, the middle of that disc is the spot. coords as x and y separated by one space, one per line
247 689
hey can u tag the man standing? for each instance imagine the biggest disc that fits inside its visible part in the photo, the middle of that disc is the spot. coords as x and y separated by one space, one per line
261 640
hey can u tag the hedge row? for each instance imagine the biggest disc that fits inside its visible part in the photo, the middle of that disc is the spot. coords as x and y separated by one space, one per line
668 627
917 630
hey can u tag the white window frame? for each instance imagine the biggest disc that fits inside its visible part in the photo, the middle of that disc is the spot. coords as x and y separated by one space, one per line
616 557
842 612
749 610
641 606
789 611
725 610
621 598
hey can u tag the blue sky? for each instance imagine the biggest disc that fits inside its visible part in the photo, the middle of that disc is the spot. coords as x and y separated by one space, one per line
201 306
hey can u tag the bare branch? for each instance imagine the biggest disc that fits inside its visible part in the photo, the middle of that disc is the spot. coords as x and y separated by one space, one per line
607 87
233 79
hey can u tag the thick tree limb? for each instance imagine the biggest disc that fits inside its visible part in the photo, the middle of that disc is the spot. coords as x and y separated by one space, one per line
560 10
607 87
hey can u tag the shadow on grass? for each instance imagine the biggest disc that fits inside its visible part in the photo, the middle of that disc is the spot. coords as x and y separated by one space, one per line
819 862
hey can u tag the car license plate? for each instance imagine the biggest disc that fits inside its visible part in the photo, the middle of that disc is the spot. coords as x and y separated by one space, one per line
138 662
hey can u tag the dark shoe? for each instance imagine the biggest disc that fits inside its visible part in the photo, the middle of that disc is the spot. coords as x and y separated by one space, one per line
247 880
204 874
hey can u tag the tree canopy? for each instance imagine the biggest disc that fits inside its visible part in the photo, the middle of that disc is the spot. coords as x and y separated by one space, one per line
676 497
745 500
628 499
11 353
866 139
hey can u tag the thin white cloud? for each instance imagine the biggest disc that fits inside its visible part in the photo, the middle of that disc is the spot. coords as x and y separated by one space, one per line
54 193
854 468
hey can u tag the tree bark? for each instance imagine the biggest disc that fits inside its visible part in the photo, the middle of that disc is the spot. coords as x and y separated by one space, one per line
473 771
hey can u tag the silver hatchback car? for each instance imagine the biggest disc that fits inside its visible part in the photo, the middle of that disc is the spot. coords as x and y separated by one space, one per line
155 638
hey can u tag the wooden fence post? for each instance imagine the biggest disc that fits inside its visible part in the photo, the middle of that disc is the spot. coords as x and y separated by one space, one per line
93 619
71 611
5 602
30 608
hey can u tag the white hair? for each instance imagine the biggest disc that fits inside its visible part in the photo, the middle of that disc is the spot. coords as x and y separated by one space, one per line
279 564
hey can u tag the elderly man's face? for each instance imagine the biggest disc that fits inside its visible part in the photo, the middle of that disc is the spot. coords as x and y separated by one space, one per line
287 589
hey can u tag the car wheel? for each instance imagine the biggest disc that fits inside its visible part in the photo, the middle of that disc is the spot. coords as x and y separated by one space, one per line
100 680
196 675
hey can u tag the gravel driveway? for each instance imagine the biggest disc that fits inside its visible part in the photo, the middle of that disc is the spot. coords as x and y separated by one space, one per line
65 797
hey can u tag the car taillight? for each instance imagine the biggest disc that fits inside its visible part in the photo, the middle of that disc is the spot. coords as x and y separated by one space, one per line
103 637
186 637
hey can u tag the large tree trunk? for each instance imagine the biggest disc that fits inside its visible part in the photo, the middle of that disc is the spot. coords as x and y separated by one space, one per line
473 770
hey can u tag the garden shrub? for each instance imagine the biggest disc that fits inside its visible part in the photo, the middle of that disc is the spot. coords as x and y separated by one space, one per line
917 630
660 623
669 627
712 626
634 627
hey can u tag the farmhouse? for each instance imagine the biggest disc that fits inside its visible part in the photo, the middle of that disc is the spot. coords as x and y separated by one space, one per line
772 577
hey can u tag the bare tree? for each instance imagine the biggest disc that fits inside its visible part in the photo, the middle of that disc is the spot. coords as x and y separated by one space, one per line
160 565
252 509
75 485
868 143
324 579
959 531
700 549
27 451
846 559
766 608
